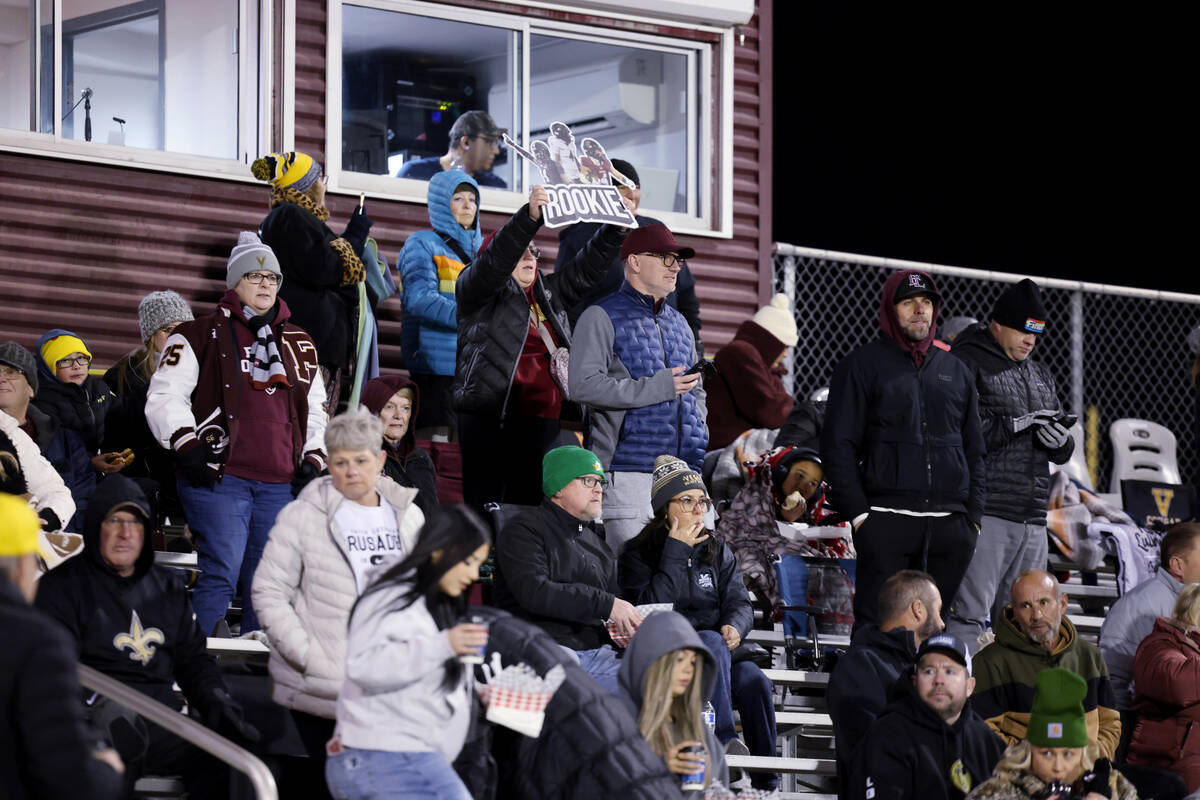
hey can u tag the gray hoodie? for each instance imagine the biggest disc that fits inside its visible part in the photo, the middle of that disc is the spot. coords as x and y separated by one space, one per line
662 633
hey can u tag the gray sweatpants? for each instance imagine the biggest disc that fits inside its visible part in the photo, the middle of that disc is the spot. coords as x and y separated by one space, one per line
1003 551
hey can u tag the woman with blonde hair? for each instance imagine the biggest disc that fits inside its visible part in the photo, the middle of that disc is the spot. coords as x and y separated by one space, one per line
1055 759
667 676
1166 681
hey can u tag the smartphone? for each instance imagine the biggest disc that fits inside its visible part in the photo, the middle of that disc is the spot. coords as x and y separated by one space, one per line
1066 420
703 366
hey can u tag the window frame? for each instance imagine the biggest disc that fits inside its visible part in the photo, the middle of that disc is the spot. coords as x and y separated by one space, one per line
252 71
708 139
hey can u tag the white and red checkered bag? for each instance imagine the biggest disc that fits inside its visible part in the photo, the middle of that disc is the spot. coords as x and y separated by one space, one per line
716 791
516 697
621 640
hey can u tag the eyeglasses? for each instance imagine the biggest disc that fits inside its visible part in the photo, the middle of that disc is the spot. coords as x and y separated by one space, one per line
491 141
121 522
272 278
669 259
7 374
592 481
689 503
534 251
76 361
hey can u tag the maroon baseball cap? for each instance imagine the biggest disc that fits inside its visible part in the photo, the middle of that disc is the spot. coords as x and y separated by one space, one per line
653 239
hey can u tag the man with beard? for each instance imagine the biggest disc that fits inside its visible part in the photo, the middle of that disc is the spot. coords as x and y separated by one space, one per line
879 655
1034 634
903 448
930 743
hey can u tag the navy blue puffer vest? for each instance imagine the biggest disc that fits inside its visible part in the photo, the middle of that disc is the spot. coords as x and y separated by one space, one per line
646 341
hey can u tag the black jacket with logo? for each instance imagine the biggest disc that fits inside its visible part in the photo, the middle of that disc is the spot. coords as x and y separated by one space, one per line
901 436
139 629
710 596
912 754
1018 483
556 572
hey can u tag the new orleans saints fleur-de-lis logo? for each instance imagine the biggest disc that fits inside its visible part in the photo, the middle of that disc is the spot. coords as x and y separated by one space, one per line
141 642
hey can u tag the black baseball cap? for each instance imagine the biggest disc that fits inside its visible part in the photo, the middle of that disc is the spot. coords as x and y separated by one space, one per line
916 283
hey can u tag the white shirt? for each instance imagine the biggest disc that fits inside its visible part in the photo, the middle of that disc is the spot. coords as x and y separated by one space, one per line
372 538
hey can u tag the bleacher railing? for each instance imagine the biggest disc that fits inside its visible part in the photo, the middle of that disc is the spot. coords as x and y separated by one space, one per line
184 727
1114 351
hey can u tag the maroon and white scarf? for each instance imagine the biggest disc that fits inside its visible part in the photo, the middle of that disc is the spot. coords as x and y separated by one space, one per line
266 367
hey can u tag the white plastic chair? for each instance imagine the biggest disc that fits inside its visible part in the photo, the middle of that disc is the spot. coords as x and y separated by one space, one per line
1142 450
1077 467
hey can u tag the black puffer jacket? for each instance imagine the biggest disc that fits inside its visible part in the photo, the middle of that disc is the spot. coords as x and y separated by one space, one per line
709 595
554 571
912 754
493 312
1018 483
81 408
590 746
901 436
313 273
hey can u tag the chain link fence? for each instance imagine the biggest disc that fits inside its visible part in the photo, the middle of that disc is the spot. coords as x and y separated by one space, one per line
1115 352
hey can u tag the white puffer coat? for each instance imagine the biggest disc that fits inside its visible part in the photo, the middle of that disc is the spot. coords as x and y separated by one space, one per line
47 490
304 589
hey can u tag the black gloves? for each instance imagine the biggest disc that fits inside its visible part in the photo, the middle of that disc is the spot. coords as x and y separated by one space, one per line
222 714
357 229
308 470
194 465
50 521
1098 779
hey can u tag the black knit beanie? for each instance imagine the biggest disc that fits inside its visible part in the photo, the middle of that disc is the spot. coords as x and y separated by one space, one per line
1020 308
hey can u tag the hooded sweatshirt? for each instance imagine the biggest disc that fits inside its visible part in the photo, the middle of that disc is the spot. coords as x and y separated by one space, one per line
913 754
407 463
661 633
429 267
79 407
902 426
138 629
745 394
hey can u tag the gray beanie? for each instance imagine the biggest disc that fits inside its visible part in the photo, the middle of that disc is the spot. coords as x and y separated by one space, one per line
250 255
160 309
20 359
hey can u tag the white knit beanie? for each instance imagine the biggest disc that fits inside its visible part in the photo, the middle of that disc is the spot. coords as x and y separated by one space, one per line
778 321
160 309
250 255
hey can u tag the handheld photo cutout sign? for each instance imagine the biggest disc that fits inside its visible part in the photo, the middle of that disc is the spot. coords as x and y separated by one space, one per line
580 186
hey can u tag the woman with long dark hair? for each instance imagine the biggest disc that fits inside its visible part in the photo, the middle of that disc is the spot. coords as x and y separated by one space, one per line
675 559
405 706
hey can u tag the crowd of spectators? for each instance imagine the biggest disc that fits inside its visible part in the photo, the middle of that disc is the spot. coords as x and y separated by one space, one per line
320 530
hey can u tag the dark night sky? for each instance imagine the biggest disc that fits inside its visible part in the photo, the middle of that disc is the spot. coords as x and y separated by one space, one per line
1039 141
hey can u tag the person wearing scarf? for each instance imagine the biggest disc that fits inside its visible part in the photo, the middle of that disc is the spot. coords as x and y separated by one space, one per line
238 396
321 270
903 448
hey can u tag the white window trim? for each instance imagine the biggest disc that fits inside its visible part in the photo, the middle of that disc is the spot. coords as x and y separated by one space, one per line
54 145
385 187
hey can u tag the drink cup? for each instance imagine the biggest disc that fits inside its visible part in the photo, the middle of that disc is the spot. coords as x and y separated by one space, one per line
476 655
694 783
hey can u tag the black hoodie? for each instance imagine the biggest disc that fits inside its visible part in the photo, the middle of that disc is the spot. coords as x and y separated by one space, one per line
139 629
858 692
912 754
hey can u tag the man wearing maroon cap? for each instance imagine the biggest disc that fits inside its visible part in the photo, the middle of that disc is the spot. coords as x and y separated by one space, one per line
628 360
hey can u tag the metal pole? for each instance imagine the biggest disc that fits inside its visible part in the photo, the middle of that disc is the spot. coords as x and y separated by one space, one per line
1077 353
789 289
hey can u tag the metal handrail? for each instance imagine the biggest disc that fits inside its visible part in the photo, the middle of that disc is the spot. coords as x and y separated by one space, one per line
186 728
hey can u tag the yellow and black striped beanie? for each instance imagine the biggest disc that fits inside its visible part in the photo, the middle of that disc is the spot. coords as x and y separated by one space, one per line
296 170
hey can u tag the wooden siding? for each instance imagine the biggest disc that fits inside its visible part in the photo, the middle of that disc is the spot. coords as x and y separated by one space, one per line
80 243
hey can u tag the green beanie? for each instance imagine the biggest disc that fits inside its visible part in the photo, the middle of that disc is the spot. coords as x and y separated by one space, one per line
1057 718
564 464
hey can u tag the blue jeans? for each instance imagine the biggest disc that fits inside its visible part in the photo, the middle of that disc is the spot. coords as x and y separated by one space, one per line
357 774
745 686
231 522
601 664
